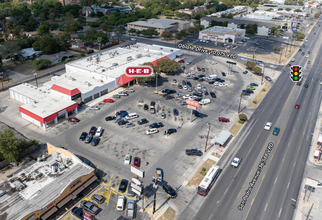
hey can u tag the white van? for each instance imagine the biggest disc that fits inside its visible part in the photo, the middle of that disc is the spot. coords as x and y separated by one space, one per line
131 116
120 203
99 132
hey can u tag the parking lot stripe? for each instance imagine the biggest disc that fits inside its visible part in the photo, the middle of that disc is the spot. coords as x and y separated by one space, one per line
118 185
100 188
67 216
96 169
105 184
114 192
110 181
103 175
112 189
106 188
108 197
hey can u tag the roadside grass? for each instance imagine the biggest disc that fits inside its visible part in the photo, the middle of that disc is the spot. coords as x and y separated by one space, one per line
235 128
197 178
214 154
260 96
169 214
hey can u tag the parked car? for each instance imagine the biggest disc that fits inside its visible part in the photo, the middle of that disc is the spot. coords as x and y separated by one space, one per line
306 85
116 96
119 112
83 136
136 161
196 113
122 122
95 141
78 212
193 152
175 112
198 68
183 102
181 61
213 95
156 125
179 95
143 121
201 75
109 118
123 114
222 119
245 72
250 87
94 108
73 120
89 207
211 82
268 78
223 73
253 84
92 130
108 100
117 120
145 107
236 161
123 185
180 86
163 115
129 124
199 94
169 191
168 97
130 90
131 116
170 131
127 159
159 174
99 131
203 69
151 131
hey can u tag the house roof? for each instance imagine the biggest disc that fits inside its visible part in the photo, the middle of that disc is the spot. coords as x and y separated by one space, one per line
28 52
55 56
124 79
158 23
239 21
55 32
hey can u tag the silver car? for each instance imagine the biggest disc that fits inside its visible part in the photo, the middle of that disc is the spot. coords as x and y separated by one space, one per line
130 90
94 108
128 125
189 89
116 120
183 103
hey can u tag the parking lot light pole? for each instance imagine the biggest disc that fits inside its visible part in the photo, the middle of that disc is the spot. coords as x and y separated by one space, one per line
241 95
167 125
155 191
207 137
35 74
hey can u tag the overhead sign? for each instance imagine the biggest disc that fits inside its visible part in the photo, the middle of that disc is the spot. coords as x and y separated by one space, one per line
294 29
211 35
137 181
136 192
138 188
139 71
87 216
192 107
137 171
192 102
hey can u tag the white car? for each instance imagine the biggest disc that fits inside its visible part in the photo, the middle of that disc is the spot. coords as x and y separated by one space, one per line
222 85
151 131
236 161
130 90
213 62
131 116
189 62
133 39
243 59
99 132
94 108
307 55
192 97
185 87
199 86
217 83
240 42
247 38
127 159
178 95
268 126
186 96
204 101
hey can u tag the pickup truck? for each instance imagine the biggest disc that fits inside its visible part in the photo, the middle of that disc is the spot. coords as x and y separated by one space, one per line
122 93
130 209
204 101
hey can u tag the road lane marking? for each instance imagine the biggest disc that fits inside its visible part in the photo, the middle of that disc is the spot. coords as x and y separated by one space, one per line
103 177
283 159
109 185
265 207
226 191
280 212
275 180
288 185
294 164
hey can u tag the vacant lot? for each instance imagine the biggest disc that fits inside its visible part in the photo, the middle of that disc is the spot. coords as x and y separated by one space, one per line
170 214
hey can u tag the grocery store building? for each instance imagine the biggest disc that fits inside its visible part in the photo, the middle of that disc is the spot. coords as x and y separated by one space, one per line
45 186
222 34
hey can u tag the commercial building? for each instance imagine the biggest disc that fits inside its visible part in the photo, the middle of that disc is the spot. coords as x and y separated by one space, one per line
196 9
233 11
160 25
264 28
106 11
57 57
223 34
85 80
46 185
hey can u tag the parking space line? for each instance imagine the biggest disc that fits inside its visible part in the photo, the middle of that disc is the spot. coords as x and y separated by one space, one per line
100 188
67 216
106 188
109 185
108 197
112 189
103 176
118 185
105 184
114 192
96 169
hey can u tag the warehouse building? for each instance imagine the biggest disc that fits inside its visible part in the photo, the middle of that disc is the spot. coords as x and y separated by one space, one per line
85 80
223 34
45 186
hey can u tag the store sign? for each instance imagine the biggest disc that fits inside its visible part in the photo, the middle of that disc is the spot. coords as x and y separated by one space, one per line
62 113
74 184
138 188
139 71
211 35
76 96
192 102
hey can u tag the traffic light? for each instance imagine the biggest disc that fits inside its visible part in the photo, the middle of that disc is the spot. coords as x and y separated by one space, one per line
296 73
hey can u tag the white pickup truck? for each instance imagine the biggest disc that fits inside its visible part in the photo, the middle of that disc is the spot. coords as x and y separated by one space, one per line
123 93
204 101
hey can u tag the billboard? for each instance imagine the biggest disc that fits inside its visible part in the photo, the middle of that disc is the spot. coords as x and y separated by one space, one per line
192 107
192 102
137 171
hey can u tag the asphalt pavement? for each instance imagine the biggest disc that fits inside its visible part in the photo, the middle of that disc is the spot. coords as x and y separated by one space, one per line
280 178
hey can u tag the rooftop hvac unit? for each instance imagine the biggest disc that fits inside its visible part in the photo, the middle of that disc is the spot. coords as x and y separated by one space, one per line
115 64
88 84
40 90
87 59
31 87
103 70
171 50
85 82
138 55
161 48
44 92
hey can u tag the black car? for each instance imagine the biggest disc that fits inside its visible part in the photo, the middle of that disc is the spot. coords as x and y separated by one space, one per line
78 212
120 112
88 139
123 185
196 113
109 118
221 80
165 90
306 85
302 53
206 93
170 131
183 67
189 83
309 52
268 78
248 91
200 91
300 50
169 191
201 79
146 107
217 79
195 78
122 122
175 112
245 93
223 73
193 152
95 141
171 91
180 86
197 94
154 125
92 130
184 82
213 95
169 97
212 82
197 99
201 75
83 136
143 121
203 69
160 124
253 84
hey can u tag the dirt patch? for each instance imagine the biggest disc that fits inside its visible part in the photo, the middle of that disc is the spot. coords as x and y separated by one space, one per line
235 128
23 67
197 178
260 96
216 155
170 214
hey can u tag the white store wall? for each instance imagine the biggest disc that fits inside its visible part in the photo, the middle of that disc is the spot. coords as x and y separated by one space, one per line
28 118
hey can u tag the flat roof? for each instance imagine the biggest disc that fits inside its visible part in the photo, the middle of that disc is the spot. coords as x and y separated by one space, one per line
45 102
38 193
223 30
240 21
222 137
113 63
76 80
158 23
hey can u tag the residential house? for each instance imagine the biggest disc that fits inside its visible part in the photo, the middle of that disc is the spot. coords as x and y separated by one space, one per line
31 33
195 10
57 57
28 53
106 11
55 32
70 2
78 45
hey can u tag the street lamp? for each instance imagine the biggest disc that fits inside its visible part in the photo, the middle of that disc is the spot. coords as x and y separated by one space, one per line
35 74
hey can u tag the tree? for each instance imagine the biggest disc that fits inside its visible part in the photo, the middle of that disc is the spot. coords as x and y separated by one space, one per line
9 48
300 37
39 64
191 30
250 31
317 15
150 32
132 31
280 9
43 30
103 36
47 45
297 10
72 27
81 36
242 26
30 26
277 48
81 20
257 70
250 64
274 30
168 66
90 35
92 14
167 35
288 9
120 31
242 117
99 14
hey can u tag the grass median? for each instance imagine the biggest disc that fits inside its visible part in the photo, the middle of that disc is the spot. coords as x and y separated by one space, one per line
170 214
260 96
199 175
235 128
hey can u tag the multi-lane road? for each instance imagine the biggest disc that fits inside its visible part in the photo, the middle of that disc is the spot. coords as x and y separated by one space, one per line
279 180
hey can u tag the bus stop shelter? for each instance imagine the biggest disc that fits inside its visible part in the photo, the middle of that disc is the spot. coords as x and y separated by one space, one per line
222 138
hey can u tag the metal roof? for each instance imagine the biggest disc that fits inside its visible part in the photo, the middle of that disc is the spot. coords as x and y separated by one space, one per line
240 21
222 137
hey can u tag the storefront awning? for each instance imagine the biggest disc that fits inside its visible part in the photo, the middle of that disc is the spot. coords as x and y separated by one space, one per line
90 181
49 213
64 201
77 191
125 79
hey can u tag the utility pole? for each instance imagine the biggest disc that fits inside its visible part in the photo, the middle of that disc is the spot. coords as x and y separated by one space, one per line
280 57
35 74
207 137
308 215
155 191
241 95
156 84
263 73
254 54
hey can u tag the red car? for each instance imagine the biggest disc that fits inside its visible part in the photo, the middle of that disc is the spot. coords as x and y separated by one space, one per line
297 106
223 119
261 48
181 61
136 162
199 69
73 120
108 100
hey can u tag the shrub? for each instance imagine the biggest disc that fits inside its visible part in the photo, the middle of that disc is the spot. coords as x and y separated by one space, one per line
168 17
203 173
40 63
255 102
263 90
241 122
203 169
242 117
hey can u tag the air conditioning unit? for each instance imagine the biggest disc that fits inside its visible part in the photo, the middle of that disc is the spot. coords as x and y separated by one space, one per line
161 48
